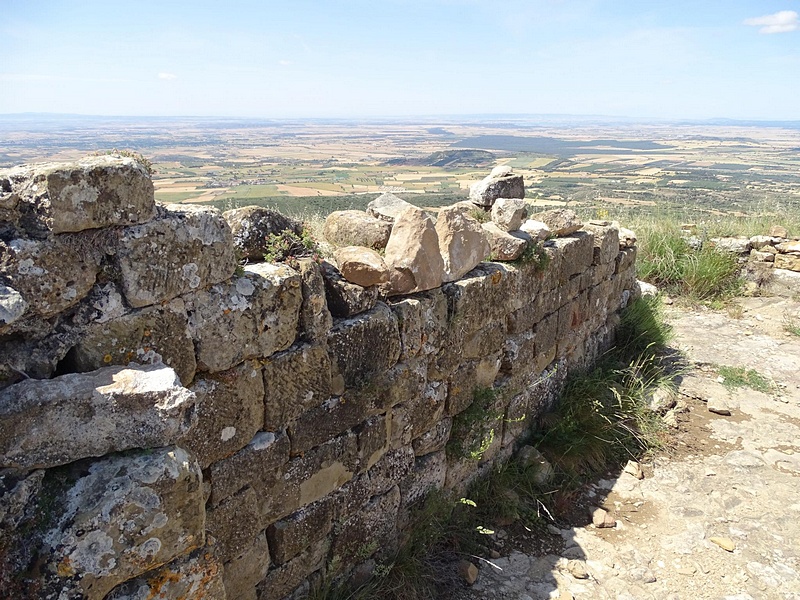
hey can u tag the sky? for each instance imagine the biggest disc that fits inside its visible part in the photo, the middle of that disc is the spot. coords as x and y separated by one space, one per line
659 59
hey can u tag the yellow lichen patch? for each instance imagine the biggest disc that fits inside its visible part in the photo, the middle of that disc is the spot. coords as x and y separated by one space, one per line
107 358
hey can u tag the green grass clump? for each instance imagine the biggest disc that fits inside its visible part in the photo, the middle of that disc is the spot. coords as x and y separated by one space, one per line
473 429
602 416
287 245
791 324
739 377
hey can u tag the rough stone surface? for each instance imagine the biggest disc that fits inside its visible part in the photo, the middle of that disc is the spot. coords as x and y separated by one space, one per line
251 227
243 573
44 423
184 249
462 242
494 186
790 262
503 245
197 575
123 516
734 245
362 266
778 231
12 306
366 345
344 298
50 275
230 410
789 247
356 228
387 207
315 318
147 336
290 536
94 192
508 214
536 229
251 316
413 253
561 221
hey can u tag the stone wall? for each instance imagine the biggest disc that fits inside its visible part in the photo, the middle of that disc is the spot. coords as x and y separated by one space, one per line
172 425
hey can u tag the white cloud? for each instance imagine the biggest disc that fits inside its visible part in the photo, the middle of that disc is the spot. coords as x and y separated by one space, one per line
780 22
284 63
167 76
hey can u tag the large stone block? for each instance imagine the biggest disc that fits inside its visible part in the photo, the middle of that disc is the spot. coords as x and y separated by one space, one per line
51 275
577 252
606 243
434 439
413 254
246 571
626 260
462 242
484 296
256 464
94 192
230 410
326 421
115 519
373 440
789 262
235 524
421 321
196 575
295 381
344 298
51 422
413 418
289 537
467 378
148 335
185 248
500 183
371 530
315 318
251 316
428 474
356 228
365 345
284 579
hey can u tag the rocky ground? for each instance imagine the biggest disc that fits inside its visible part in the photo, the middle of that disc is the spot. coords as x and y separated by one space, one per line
717 514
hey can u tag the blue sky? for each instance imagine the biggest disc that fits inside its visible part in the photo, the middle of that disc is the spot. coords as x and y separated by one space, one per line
370 58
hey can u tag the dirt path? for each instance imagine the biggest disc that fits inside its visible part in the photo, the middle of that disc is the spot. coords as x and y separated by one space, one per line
718 514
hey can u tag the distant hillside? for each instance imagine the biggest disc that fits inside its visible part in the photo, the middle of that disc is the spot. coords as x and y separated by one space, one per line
449 159
557 147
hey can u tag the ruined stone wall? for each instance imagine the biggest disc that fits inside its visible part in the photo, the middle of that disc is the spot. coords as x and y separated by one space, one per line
172 424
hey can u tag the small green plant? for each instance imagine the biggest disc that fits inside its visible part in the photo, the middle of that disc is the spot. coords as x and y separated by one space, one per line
473 429
791 324
739 377
287 246
534 255
480 215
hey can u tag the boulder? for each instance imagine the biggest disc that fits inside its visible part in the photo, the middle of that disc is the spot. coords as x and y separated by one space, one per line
793 246
251 227
647 289
500 183
509 213
44 423
123 516
503 245
362 266
98 191
387 207
758 256
356 228
734 245
463 243
778 231
790 262
185 248
536 229
413 253
757 242
561 221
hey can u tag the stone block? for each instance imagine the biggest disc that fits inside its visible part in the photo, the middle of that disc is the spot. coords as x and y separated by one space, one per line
401 384
421 320
603 272
387 207
560 221
12 307
344 298
184 249
484 342
98 191
195 575
365 345
497 185
44 423
434 439
519 352
117 518
290 536
547 332
258 462
362 266
413 254
428 474
235 524
315 318
282 580
371 530
526 318
146 336
356 228
326 421
373 440
252 316
230 410
463 243
606 243
295 381
626 259
503 245
418 415
577 251
246 571
484 296
789 262
467 378
50 276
